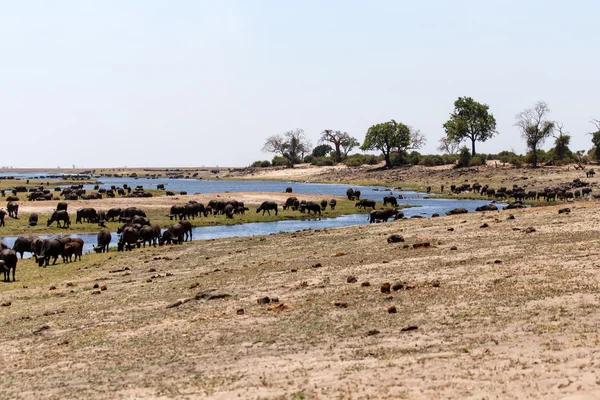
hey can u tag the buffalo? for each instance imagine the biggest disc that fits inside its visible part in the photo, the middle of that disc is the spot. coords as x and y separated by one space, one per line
129 238
390 200
113 213
59 216
71 249
364 203
22 245
50 248
187 230
323 205
149 234
173 234
104 237
332 203
33 219
457 211
487 207
9 261
13 209
2 216
350 194
382 215
311 206
87 214
289 203
267 206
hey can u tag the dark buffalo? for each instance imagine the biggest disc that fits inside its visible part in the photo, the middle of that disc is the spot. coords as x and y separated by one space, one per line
288 189
113 213
178 212
12 198
104 237
59 216
357 194
187 230
323 205
9 259
229 210
332 203
364 203
13 209
33 219
350 194
2 216
139 220
62 206
129 238
311 206
50 248
382 215
87 214
390 200
149 234
71 249
22 245
267 206
289 203
131 212
173 234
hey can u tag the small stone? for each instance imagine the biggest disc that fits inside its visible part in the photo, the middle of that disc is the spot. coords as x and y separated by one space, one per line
317 265
294 270
450 229
341 304
6 304
373 332
149 280
530 229
453 248
194 285
96 292
240 311
564 211
365 284
485 225
409 328
421 245
385 288
510 217
264 300
40 329
351 279
152 270
392 310
339 254
395 238
385 262
435 283
70 284
274 299
52 288
96 286
389 298
405 246
497 261
103 287
397 286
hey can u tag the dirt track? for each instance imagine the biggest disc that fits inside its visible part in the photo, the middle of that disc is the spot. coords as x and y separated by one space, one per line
508 314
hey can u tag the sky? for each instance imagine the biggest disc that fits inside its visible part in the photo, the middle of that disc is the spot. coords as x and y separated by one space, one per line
116 83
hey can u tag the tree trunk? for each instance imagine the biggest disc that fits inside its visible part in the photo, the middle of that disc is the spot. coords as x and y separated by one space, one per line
338 154
534 158
388 163
472 147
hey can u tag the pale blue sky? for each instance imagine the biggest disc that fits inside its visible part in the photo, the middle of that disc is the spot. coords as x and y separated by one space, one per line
193 83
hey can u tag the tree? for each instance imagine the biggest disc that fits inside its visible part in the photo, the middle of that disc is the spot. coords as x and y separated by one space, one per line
292 145
561 142
470 120
448 146
392 136
337 138
321 150
596 138
349 144
534 127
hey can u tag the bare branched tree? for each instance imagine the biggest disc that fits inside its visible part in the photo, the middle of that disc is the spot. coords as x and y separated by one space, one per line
339 139
448 146
535 127
292 145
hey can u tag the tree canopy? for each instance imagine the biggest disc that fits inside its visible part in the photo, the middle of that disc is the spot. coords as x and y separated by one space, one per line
339 139
392 136
470 120
535 127
292 145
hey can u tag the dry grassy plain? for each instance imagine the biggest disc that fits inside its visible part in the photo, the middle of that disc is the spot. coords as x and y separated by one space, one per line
508 314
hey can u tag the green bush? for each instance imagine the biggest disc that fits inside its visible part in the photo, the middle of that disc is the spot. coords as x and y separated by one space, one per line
309 158
322 161
464 158
353 161
279 161
476 161
261 164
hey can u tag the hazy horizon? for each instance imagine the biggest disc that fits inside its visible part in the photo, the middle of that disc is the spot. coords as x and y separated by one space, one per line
199 83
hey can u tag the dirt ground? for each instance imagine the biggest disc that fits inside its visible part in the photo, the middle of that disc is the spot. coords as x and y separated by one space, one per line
506 314
419 177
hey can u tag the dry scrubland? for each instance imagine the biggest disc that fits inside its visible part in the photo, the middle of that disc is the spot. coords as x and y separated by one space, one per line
508 314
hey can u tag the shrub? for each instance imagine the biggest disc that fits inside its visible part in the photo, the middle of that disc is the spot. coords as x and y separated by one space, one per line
322 161
353 161
261 164
464 158
279 161
476 161
309 158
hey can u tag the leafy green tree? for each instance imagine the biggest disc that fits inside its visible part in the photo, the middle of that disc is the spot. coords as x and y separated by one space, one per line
561 143
535 128
596 138
464 157
321 150
470 120
392 136
292 145
348 145
338 139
